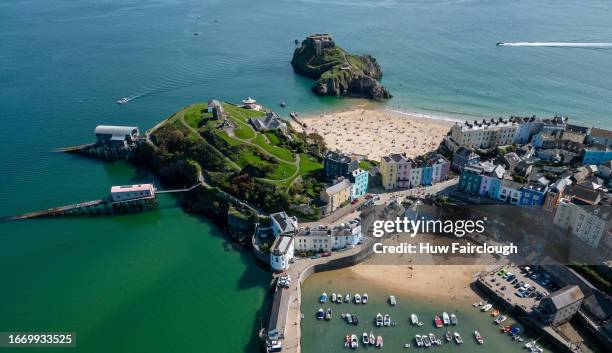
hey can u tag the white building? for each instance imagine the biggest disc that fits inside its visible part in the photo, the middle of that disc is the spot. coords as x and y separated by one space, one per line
283 224
510 191
281 253
116 136
132 192
327 239
484 134
591 224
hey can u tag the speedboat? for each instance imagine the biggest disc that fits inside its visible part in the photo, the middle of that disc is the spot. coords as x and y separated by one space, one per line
355 319
445 318
448 336
379 341
123 100
500 319
347 341
328 314
392 300
379 320
347 298
387 320
354 341
499 44
454 320
414 319
458 338
349 318
320 314
419 340
438 321
323 298
426 341
357 298
333 298
478 337
515 331
486 308
365 338
372 338
364 298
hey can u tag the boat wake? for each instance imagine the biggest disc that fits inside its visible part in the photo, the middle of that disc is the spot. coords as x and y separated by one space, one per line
557 44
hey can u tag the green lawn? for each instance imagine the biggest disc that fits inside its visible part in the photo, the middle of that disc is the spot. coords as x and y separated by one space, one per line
272 138
242 130
194 114
279 152
308 165
283 171
240 113
227 138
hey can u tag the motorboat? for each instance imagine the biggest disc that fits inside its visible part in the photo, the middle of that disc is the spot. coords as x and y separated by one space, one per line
364 298
445 318
478 337
357 298
432 338
486 308
426 341
323 298
438 321
414 319
339 298
328 314
283 104
454 320
515 331
347 298
333 298
458 338
365 339
347 341
372 338
506 329
494 313
387 320
448 336
379 341
349 318
500 319
530 344
379 320
420 323
354 341
419 340
123 100
392 300
320 314
355 319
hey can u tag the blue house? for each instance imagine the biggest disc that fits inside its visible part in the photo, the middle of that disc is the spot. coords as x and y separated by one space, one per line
533 194
336 164
359 178
426 176
495 185
597 155
470 180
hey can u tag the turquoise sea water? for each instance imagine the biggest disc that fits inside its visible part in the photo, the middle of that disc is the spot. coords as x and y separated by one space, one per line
161 281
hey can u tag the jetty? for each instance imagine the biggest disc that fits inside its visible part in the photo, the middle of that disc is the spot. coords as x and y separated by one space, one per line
112 143
294 117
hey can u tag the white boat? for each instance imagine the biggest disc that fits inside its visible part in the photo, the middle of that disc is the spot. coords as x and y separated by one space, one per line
486 307
354 341
426 341
414 319
347 341
445 318
500 319
387 320
365 339
420 323
448 336
339 298
419 340
349 318
372 338
323 297
347 298
364 298
328 314
333 298
123 100
478 337
454 320
432 339
379 341
458 338
530 344
379 320
357 298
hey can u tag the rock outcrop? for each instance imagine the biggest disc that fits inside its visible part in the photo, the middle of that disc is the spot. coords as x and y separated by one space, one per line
337 72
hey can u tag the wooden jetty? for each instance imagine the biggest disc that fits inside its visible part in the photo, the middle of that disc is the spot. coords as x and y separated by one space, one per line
294 117
112 143
101 151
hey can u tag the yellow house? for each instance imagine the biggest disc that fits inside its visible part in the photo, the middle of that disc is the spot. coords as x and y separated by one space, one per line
395 171
337 194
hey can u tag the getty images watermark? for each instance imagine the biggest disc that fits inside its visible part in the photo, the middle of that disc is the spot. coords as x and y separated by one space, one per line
459 228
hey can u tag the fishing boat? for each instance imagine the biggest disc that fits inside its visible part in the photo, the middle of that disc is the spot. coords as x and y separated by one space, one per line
354 341
486 308
328 314
355 319
419 340
438 321
515 331
364 298
426 341
494 313
348 318
448 336
123 100
347 341
320 314
454 320
357 298
387 320
433 339
478 337
365 339
323 298
392 301
379 341
414 319
458 338
347 298
445 318
500 319
379 320
372 338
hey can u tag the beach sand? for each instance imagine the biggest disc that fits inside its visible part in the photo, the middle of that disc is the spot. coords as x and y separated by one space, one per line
377 132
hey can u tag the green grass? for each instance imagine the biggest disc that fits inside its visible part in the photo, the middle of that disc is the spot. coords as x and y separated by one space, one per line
282 171
240 113
194 114
279 152
366 164
307 165
227 138
243 131
272 138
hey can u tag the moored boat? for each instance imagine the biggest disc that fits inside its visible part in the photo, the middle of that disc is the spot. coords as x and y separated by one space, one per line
458 338
354 341
515 331
419 340
438 321
357 298
339 298
323 297
445 318
365 339
333 297
355 319
348 318
478 337
432 339
414 319
387 320
500 319
392 301
372 338
320 314
328 314
448 336
494 313
347 341
364 298
506 329
347 298
426 341
379 341
486 307
454 320
379 320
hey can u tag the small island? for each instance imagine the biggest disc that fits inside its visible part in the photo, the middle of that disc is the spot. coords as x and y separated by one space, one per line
337 72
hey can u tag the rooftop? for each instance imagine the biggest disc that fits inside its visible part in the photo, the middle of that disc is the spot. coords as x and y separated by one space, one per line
597 132
116 130
565 296
338 157
132 188
334 189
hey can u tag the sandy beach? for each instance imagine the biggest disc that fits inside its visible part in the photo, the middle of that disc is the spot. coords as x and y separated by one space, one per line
377 132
